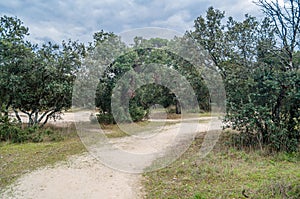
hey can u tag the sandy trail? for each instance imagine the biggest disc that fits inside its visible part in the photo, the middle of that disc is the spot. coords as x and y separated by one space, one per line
80 177
84 176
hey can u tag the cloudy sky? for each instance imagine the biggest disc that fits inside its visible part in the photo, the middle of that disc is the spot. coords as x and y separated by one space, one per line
57 20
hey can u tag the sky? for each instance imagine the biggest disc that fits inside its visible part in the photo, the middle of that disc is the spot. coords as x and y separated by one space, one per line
57 20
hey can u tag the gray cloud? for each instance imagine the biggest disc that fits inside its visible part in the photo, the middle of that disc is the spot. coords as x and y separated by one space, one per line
60 20
179 21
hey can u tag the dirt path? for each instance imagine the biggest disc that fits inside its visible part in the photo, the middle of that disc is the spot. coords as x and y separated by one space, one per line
83 176
80 177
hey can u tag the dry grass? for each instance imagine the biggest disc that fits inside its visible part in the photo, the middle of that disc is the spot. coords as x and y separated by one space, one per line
227 173
18 159
114 131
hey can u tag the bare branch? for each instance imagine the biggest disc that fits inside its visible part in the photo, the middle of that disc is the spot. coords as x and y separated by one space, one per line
287 21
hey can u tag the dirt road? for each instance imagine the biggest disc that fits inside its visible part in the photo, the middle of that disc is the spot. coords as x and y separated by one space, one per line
80 177
84 176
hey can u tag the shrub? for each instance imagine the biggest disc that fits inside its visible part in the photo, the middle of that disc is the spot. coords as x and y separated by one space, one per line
137 113
265 110
10 131
105 118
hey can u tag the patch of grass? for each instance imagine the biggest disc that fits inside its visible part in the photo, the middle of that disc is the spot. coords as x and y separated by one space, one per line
191 115
18 159
161 113
114 131
226 173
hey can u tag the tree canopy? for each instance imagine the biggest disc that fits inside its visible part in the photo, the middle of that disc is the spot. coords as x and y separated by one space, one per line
36 81
258 60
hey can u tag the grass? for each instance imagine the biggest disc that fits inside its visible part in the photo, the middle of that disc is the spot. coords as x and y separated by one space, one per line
169 113
114 131
226 173
191 115
18 159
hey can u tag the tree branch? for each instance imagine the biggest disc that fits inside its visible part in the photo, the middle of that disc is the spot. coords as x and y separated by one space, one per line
48 116
17 116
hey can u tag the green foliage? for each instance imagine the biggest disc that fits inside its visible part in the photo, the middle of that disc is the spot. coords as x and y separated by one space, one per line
137 64
209 34
13 52
264 109
137 113
11 131
105 118
258 60
262 86
35 80
199 196
45 88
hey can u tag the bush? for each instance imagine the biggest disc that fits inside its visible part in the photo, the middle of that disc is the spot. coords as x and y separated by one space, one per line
10 131
137 113
265 110
105 118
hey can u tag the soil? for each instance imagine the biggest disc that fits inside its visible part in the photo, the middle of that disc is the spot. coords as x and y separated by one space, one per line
84 176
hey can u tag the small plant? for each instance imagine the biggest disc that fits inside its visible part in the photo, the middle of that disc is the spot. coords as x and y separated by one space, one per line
199 196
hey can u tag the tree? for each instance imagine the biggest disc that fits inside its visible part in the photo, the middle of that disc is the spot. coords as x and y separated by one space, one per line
209 33
265 111
241 39
13 55
286 20
35 80
45 87
260 70
139 64
100 54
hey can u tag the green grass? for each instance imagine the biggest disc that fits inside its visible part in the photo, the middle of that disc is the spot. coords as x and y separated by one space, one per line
18 159
226 173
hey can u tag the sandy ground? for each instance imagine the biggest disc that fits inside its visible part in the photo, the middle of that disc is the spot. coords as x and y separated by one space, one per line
84 176
81 177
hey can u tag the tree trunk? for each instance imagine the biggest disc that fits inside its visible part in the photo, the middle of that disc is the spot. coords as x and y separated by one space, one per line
36 115
178 107
47 118
18 116
276 110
